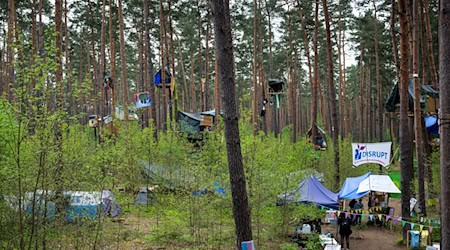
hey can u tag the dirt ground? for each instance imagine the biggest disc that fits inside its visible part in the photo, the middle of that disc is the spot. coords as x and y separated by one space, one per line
371 238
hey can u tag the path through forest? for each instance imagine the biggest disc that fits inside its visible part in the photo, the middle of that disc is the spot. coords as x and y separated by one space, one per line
371 238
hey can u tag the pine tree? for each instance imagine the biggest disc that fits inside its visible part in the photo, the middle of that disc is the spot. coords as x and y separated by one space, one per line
225 58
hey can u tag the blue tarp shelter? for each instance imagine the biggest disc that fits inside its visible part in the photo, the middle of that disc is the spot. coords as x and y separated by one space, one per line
79 204
350 188
311 190
431 123
157 79
216 188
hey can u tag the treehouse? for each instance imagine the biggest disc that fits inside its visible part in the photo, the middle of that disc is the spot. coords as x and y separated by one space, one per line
429 104
132 113
275 86
93 121
320 142
192 124
157 79
429 99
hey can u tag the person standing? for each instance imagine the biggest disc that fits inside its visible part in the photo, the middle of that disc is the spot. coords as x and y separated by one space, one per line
358 206
345 230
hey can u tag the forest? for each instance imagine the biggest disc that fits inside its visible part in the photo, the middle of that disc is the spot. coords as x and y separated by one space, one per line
198 116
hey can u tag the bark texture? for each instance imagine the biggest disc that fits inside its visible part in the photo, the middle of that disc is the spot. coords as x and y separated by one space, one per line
444 72
224 46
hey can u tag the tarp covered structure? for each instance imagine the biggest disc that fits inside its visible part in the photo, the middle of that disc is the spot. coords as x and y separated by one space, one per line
190 123
157 79
378 183
350 188
393 100
311 190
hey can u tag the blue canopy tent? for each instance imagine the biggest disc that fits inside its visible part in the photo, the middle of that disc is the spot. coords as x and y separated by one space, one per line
350 188
311 190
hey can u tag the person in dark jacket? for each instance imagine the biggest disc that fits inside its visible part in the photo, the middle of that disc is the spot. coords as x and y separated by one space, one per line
345 230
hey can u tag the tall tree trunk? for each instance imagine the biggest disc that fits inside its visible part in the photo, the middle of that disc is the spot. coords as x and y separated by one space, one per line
362 136
94 75
379 124
207 67
102 73
10 50
173 100
394 38
112 59
69 98
200 56
193 101
164 63
332 96
216 89
224 43
423 42
307 50
147 79
57 124
255 69
149 68
291 89
344 84
185 95
341 87
367 113
59 72
315 83
434 75
406 154
444 71
417 111
123 64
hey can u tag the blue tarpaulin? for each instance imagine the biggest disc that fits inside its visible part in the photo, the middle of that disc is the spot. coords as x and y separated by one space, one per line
157 79
312 191
431 123
350 188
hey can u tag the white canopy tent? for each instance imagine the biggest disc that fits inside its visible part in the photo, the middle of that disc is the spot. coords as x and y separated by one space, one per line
378 183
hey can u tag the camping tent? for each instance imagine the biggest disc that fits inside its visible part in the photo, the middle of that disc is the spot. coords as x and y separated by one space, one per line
80 204
378 183
145 196
312 191
350 187
110 206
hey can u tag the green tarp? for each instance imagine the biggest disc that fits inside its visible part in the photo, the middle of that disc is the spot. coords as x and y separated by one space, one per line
396 178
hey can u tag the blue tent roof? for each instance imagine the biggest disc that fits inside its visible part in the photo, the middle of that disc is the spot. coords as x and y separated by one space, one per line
312 191
350 187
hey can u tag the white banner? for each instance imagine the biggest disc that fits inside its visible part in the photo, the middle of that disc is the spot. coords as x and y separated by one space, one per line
379 153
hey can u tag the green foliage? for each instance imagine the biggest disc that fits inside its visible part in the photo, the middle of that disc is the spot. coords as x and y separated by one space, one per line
313 242
288 246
